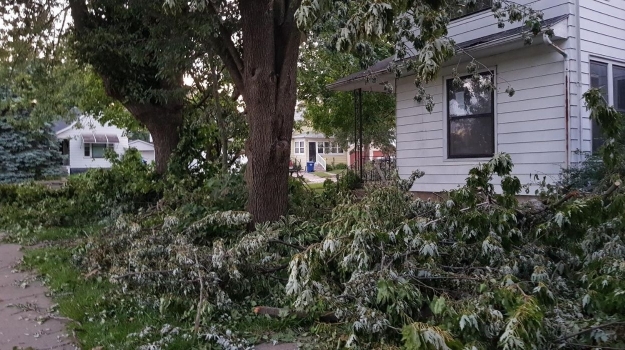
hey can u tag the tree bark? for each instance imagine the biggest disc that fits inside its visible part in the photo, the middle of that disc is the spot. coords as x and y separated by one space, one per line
221 122
164 125
271 47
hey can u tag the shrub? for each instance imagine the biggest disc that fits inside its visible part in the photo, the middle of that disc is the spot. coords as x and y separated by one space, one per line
349 181
340 166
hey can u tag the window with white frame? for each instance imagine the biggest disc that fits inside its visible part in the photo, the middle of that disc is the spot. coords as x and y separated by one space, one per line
470 117
329 148
610 79
97 150
299 147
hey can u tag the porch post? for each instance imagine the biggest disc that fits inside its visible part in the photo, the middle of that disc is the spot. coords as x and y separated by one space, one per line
358 156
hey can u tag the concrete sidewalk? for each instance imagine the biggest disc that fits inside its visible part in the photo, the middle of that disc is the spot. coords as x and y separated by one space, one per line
24 318
311 178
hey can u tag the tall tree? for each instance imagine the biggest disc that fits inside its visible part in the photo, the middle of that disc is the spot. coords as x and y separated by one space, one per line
141 52
27 152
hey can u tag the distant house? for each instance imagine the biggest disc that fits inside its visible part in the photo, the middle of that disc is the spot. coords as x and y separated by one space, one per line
308 145
84 142
145 148
542 126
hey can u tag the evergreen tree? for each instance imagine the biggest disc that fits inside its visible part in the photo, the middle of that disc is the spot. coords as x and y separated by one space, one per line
27 152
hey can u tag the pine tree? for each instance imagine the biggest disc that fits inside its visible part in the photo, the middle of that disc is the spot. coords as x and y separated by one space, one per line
27 152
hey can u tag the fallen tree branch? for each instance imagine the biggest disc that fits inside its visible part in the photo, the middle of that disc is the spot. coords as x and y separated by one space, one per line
273 269
294 246
461 210
593 346
276 312
615 186
142 273
196 326
590 329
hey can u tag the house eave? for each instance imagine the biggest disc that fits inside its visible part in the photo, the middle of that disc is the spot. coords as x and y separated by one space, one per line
375 80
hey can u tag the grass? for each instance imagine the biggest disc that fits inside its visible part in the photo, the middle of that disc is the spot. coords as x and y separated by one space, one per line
318 187
325 175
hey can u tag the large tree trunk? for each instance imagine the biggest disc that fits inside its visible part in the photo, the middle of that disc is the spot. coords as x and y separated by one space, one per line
164 125
271 48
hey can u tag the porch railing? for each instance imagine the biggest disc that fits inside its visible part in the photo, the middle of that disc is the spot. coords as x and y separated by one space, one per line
321 161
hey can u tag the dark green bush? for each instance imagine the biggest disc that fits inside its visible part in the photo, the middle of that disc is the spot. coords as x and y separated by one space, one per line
128 185
349 181
340 166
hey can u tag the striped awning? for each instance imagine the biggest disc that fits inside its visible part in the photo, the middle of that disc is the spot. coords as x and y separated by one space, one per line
100 138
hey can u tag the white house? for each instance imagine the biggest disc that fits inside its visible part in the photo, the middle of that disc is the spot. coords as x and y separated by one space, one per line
309 145
542 125
84 141
145 148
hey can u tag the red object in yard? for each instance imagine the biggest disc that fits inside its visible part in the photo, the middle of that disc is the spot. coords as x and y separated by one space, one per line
354 154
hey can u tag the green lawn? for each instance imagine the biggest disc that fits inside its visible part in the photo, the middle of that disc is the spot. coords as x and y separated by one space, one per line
330 173
316 187
325 175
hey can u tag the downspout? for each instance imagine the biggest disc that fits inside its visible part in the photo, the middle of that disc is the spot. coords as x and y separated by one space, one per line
578 51
547 40
567 106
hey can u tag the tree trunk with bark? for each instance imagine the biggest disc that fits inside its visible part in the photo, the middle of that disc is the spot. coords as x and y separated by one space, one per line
164 125
221 122
271 48
162 119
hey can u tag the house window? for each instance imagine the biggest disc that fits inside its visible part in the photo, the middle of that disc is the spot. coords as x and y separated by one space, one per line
610 79
329 148
299 147
469 9
97 150
470 117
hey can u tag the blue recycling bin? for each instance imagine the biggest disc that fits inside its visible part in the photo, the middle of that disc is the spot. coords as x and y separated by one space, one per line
310 167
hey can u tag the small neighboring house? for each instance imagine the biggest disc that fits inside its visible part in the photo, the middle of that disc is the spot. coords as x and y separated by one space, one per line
84 142
309 145
145 148
542 126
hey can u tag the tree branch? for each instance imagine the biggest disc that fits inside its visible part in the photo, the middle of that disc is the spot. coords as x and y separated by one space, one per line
226 49
590 329
142 273
294 246
79 13
612 188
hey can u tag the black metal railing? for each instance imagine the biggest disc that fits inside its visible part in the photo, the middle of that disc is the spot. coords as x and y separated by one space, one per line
377 170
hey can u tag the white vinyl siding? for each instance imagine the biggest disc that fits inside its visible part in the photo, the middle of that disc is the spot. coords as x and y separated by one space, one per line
483 23
602 38
530 125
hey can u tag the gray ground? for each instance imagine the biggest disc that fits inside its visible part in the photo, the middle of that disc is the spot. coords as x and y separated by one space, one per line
24 318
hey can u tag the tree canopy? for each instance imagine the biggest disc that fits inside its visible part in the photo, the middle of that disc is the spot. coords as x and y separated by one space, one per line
332 113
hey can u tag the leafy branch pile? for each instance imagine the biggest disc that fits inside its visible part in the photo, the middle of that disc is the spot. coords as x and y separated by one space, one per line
478 270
